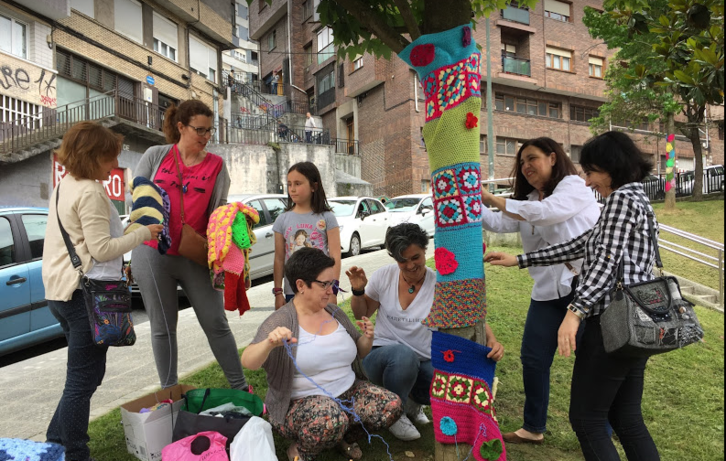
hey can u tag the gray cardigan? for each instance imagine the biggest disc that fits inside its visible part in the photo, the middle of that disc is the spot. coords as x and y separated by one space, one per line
151 161
280 369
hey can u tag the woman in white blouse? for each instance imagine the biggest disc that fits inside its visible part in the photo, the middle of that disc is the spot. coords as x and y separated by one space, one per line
550 204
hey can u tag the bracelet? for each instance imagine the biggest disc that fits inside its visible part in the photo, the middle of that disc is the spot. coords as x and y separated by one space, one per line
277 291
358 292
279 294
577 312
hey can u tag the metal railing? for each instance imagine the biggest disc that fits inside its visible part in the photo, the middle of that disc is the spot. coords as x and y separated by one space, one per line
715 262
514 14
518 66
251 121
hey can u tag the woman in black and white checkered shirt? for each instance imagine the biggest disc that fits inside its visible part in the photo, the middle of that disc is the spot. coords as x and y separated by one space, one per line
605 388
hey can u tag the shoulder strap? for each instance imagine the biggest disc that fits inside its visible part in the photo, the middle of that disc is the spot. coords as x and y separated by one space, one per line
650 218
181 181
75 260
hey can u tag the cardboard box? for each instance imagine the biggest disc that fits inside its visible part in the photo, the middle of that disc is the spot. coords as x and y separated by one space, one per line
148 433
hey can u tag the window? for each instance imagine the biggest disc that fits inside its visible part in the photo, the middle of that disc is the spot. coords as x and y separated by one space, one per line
243 33
357 63
582 114
507 146
308 50
252 57
239 56
425 188
13 37
483 145
527 106
166 36
509 50
242 11
83 6
12 109
558 59
326 86
260 211
7 244
275 207
575 152
327 82
307 9
596 65
376 206
127 18
35 229
272 40
325 44
203 59
557 10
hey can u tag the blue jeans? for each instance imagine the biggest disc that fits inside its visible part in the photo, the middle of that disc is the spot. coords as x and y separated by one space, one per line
85 370
539 345
608 390
400 370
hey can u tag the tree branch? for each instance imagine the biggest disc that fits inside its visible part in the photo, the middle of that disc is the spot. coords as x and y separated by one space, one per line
385 33
405 9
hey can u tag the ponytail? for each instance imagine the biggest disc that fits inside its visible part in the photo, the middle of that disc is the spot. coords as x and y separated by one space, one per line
170 129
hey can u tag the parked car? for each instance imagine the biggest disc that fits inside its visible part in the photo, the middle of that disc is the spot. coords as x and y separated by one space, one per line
25 318
414 208
364 223
269 206
713 181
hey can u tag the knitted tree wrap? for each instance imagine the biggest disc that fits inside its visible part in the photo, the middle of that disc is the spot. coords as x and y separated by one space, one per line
461 392
27 450
447 64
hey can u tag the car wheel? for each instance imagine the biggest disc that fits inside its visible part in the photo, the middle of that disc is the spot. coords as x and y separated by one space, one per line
354 249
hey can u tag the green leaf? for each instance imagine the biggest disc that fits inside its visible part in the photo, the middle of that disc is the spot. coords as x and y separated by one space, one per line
683 77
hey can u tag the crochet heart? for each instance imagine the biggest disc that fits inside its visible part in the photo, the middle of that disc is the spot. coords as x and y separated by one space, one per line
445 261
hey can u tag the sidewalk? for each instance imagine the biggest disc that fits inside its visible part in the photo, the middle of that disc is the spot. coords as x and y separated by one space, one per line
31 389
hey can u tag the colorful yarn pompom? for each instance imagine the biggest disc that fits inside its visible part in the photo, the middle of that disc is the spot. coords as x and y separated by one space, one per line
448 426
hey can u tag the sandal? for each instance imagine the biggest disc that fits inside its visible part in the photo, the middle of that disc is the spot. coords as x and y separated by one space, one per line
350 450
292 453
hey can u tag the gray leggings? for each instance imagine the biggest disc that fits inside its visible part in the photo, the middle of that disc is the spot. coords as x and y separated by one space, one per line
153 272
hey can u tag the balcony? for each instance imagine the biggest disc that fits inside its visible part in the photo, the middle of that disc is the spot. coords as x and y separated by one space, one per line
516 66
515 14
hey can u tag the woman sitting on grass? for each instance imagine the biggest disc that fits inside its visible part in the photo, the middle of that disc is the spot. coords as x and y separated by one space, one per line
302 390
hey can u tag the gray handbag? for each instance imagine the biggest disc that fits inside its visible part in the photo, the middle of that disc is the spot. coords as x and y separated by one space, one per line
648 318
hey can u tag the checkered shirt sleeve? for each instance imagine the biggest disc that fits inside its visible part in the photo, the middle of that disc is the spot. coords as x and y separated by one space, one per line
621 233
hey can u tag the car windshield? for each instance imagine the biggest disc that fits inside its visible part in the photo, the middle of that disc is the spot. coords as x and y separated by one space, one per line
402 204
342 208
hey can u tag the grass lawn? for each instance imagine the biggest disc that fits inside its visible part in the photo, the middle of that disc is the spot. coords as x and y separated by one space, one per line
705 219
683 403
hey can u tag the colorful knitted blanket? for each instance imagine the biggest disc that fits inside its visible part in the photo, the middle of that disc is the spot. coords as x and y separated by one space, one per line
230 237
447 64
150 206
27 450
461 396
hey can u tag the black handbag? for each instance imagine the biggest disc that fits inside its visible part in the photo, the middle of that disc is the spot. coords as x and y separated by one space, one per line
648 318
108 302
190 422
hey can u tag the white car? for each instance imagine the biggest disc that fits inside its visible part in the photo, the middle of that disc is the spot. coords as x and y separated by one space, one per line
415 208
363 221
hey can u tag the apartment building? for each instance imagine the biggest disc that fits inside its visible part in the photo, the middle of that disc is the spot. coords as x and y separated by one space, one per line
547 80
243 60
119 62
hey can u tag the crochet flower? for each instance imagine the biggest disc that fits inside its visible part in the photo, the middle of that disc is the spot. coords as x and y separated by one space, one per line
449 356
471 120
445 261
466 39
422 55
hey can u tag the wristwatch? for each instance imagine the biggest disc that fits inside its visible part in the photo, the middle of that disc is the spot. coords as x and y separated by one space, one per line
577 312
358 292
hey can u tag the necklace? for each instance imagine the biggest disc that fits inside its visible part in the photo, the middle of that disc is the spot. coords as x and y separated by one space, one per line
412 289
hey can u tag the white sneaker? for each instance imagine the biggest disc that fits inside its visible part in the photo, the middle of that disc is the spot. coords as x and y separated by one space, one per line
403 429
415 413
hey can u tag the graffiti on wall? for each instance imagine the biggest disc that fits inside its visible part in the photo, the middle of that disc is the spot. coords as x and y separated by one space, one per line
27 82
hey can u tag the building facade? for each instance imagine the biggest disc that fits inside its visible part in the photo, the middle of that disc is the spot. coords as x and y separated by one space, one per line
547 80
243 60
118 62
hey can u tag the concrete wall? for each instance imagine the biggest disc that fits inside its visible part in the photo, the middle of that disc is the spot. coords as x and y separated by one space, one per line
350 164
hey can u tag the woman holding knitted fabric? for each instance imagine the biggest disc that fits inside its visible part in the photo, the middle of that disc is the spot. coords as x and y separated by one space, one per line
197 182
79 203
551 204
605 388
307 347
402 294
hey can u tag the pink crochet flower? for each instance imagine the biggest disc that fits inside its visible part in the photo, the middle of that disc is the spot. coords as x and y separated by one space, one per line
445 261
422 55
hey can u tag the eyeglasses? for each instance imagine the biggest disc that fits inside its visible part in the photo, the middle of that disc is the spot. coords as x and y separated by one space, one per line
201 131
334 284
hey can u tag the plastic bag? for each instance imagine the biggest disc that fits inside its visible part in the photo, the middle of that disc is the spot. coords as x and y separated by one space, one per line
209 446
254 442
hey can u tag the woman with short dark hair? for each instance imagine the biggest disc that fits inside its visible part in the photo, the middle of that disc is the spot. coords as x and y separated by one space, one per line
605 388
402 293
315 365
551 204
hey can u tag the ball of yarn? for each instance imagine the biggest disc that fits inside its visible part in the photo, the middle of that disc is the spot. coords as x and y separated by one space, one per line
448 426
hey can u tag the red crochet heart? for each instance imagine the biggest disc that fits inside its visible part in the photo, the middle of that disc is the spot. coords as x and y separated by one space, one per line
445 261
